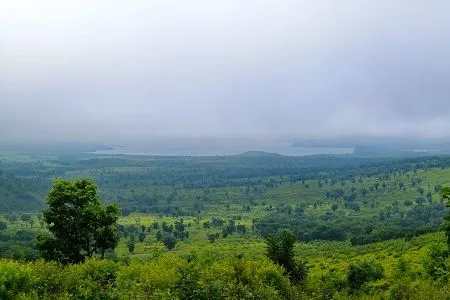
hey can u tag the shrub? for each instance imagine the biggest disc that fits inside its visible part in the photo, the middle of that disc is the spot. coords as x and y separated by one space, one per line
359 274
435 264
48 280
93 279
157 279
14 279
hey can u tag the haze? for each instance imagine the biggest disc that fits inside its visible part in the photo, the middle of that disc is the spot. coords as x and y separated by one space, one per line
130 70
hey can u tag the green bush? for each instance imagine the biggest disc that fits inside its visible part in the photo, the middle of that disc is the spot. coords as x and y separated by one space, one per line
157 279
93 279
436 265
15 279
359 274
48 279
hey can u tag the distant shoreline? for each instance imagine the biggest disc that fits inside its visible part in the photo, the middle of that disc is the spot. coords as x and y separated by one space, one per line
173 150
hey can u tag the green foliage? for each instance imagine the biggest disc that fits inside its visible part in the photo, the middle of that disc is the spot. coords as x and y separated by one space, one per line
359 274
79 224
436 264
339 205
141 236
166 277
213 237
210 276
169 241
445 192
329 285
14 279
280 249
3 225
93 279
131 244
403 269
25 217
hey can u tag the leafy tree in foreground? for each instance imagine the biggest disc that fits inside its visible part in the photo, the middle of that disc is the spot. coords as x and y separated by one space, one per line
280 249
79 224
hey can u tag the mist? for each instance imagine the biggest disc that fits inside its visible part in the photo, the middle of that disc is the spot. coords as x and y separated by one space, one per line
116 71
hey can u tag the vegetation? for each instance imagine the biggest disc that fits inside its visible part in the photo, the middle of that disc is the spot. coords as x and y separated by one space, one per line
446 227
225 227
280 249
78 224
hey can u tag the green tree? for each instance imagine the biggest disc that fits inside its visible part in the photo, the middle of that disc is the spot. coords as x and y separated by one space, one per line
155 225
79 225
25 217
3 225
131 244
280 249
213 237
141 236
169 241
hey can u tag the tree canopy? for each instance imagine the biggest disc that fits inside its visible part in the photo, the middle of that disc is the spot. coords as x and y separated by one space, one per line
79 225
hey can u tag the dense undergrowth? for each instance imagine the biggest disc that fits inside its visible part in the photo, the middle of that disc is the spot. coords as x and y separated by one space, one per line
415 269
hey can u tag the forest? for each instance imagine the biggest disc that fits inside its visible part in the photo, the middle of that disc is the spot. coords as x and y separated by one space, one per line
359 226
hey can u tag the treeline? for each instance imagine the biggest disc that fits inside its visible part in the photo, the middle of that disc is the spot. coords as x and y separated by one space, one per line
19 245
390 223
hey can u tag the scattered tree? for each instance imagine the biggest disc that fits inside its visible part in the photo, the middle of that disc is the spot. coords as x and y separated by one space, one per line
334 206
131 244
141 236
169 241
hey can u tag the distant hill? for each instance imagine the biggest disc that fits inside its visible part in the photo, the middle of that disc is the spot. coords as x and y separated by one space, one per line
259 154
382 145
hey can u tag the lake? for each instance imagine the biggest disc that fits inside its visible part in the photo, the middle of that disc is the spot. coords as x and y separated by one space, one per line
217 147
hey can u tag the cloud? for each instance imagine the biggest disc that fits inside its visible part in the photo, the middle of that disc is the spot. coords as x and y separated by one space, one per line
90 70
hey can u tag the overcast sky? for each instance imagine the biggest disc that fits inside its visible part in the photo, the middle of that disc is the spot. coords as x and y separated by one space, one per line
108 70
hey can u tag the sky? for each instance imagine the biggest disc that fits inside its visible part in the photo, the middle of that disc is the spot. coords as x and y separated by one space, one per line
292 69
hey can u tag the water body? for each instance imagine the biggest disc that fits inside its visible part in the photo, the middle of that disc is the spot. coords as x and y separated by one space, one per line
213 148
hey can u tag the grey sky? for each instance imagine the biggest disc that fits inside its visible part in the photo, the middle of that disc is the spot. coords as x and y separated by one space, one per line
107 70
